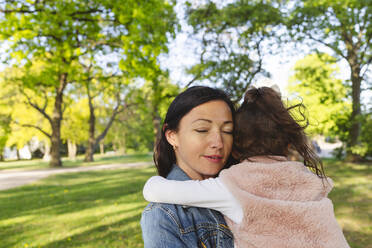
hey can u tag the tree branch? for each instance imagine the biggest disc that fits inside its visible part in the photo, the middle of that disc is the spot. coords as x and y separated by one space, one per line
338 51
89 11
112 118
116 111
369 61
38 128
35 106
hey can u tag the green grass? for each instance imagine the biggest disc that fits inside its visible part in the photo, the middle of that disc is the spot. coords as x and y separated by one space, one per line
90 209
352 199
98 160
103 208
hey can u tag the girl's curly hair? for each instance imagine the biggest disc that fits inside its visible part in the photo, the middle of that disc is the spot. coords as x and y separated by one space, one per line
265 126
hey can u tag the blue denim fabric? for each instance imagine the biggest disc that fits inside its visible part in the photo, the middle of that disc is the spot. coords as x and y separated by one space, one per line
176 226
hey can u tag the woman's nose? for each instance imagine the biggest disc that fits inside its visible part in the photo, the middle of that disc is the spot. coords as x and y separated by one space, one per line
216 140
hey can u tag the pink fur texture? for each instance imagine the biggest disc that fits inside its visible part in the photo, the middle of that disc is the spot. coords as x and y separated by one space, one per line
285 206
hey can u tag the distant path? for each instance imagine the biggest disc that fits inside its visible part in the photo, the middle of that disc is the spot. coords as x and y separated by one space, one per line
12 179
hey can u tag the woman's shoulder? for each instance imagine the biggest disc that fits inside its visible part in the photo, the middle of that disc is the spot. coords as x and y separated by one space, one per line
154 209
161 212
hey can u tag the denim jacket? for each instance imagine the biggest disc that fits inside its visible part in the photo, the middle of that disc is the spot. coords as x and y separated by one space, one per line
177 226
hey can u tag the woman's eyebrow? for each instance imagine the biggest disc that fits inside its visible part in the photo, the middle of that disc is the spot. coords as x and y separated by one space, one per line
209 121
228 122
202 120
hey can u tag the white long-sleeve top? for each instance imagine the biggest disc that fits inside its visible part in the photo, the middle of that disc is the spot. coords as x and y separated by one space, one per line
209 193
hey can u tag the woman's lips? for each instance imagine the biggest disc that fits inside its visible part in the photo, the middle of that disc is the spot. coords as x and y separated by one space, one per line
214 158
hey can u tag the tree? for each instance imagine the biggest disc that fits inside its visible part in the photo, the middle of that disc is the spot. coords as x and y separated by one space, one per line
366 139
5 116
4 133
74 129
110 92
157 96
234 39
59 33
344 27
325 96
136 128
24 122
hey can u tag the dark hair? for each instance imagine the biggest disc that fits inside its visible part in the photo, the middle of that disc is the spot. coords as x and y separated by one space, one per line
164 156
264 126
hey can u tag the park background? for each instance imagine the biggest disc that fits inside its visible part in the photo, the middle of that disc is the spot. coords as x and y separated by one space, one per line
85 83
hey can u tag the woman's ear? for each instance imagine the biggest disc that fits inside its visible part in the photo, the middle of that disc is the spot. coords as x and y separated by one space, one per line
172 137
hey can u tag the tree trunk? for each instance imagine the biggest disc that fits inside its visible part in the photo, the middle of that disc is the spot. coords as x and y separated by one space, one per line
122 149
2 154
72 148
92 126
46 156
156 119
102 148
356 109
91 143
18 155
56 123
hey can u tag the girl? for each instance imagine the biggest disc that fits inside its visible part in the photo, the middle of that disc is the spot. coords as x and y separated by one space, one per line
267 200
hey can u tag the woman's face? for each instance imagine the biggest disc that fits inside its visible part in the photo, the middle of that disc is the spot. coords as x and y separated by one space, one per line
203 140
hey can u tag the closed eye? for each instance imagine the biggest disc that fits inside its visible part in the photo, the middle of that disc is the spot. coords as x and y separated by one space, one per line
201 130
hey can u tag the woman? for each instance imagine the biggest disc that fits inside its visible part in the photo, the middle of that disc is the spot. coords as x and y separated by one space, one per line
195 143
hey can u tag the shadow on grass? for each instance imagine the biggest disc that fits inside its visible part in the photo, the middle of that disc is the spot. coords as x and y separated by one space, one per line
23 164
86 197
357 239
107 235
58 192
352 199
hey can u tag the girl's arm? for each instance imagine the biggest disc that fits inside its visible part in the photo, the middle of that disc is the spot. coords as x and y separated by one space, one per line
209 193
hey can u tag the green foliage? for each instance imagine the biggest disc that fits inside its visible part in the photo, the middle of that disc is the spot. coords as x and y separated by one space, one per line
147 23
325 96
75 123
134 130
61 32
22 117
338 24
345 27
366 135
5 116
50 40
232 37
5 131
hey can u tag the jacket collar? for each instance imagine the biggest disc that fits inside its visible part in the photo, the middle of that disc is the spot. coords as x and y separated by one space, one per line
177 174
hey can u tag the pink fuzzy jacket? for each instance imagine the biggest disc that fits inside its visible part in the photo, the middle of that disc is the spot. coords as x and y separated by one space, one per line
285 206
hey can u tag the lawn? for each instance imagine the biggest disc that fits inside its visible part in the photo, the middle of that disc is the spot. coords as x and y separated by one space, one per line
352 199
103 208
98 160
89 209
